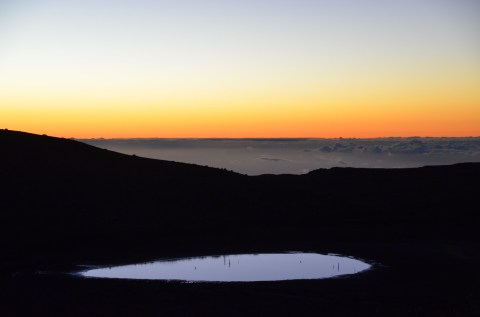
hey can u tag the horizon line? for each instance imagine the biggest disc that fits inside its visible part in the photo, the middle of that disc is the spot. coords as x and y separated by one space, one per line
255 138
279 138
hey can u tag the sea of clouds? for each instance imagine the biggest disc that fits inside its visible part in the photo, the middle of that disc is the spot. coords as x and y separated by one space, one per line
299 156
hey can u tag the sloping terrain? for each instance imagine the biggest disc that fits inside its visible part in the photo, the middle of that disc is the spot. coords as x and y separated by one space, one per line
65 203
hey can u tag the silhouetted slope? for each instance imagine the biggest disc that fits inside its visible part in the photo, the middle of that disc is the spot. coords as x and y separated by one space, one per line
43 151
55 189
63 195
64 203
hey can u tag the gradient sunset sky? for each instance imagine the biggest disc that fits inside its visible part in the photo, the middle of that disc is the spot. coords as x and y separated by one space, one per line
249 68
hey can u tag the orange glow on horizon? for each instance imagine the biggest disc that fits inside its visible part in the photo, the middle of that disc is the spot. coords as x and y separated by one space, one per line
360 113
246 123
360 108
313 69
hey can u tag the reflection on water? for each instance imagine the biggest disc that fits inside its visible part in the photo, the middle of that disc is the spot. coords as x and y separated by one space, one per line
237 268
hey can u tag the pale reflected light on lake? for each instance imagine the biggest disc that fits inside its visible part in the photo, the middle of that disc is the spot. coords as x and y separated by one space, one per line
238 268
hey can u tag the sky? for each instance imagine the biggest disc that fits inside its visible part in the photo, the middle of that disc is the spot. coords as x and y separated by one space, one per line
234 69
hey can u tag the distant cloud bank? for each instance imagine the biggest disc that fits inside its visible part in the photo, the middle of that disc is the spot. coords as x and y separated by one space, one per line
298 156
406 146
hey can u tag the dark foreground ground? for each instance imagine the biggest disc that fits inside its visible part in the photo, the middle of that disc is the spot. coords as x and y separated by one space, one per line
64 204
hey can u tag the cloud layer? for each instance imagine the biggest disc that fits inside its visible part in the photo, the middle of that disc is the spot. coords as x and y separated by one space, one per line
298 156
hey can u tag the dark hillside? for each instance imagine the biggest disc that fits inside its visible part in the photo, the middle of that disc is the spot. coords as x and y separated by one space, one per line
57 191
64 203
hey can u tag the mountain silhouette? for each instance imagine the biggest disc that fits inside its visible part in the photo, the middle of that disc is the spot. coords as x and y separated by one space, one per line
65 202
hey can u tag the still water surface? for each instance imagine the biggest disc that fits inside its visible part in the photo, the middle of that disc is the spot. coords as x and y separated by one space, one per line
237 268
